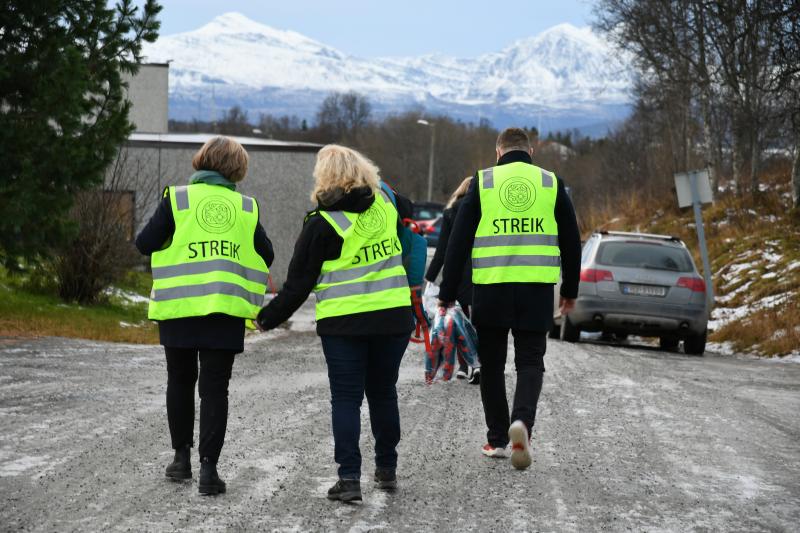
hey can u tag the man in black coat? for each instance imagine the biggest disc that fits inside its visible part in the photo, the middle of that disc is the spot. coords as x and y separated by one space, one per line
524 308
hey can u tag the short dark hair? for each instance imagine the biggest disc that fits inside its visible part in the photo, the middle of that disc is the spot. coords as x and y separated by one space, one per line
513 139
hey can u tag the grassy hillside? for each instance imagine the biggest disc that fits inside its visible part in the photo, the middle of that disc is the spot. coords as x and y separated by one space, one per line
29 307
754 249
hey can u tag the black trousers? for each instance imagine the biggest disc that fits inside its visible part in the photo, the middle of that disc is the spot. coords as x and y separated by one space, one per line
529 349
215 373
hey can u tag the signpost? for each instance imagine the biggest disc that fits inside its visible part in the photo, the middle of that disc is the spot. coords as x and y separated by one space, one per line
694 189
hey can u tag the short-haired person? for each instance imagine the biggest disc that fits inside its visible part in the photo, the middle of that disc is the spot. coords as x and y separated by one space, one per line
349 255
518 226
464 293
210 258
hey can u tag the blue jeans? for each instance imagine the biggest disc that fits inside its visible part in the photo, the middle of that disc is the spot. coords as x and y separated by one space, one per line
358 365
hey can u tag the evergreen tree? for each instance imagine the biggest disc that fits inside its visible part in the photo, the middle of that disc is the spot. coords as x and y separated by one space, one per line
63 112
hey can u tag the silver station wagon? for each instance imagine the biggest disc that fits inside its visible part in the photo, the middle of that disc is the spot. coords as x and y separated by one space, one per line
638 284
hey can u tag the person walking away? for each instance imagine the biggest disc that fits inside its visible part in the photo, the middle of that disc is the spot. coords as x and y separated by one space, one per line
349 254
518 226
464 294
210 259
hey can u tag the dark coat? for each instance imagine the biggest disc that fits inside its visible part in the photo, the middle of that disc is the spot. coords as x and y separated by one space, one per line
216 331
524 306
464 294
319 242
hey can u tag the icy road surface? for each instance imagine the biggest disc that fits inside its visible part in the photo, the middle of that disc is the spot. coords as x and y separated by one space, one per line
627 438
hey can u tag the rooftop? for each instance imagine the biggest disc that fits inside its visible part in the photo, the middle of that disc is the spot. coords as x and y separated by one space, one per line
185 140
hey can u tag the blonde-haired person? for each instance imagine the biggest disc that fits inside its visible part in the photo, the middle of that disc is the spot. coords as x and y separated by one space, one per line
210 258
464 294
349 254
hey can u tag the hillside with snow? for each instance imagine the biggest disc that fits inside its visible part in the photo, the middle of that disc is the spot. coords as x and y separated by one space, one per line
563 78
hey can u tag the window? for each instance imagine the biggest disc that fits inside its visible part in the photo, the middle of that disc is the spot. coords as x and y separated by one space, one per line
644 255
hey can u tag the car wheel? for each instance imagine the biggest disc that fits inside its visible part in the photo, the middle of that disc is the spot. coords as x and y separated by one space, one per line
555 331
669 344
607 336
621 337
695 344
569 332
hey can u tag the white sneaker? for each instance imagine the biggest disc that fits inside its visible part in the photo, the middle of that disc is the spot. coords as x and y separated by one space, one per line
499 453
520 445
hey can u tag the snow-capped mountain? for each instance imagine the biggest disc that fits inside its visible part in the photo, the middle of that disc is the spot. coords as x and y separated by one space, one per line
564 77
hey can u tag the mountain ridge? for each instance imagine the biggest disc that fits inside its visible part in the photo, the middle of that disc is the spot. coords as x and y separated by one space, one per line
565 76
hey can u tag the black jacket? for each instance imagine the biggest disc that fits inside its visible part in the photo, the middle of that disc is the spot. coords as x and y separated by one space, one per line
464 294
213 332
525 306
319 242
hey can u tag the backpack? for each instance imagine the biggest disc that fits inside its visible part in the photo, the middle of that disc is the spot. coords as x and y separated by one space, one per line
415 247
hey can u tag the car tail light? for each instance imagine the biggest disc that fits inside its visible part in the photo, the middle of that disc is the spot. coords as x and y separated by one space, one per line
593 275
430 229
693 284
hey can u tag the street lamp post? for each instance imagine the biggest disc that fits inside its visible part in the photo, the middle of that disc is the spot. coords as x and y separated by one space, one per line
432 126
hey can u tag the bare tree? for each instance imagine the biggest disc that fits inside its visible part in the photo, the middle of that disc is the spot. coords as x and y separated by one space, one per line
342 115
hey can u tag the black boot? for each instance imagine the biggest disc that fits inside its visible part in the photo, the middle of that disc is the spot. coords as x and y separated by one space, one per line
386 478
345 490
210 483
180 468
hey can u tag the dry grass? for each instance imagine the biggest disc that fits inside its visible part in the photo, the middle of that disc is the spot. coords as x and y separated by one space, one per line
752 241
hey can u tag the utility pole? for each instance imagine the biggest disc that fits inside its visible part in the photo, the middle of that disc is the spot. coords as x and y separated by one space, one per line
432 126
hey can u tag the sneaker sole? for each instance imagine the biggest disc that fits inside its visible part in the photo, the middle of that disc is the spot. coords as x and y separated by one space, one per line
346 496
520 453
502 455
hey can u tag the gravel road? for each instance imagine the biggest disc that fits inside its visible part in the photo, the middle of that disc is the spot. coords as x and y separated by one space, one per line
628 438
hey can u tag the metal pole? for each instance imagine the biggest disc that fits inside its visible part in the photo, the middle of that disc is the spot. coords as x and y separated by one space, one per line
430 162
701 236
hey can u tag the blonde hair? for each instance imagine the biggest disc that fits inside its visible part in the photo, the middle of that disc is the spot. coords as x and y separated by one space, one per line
343 168
460 191
223 155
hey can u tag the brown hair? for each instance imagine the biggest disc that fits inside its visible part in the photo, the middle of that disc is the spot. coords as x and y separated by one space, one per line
513 139
223 155
343 168
460 191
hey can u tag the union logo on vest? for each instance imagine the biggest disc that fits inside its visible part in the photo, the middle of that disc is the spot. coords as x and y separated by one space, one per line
216 214
371 222
518 194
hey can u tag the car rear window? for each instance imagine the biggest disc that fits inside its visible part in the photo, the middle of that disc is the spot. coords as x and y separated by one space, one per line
644 255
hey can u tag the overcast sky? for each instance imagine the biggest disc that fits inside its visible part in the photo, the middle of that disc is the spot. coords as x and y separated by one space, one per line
370 28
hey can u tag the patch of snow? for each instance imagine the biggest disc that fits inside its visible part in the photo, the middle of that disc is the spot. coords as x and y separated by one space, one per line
770 275
127 296
721 316
794 264
722 348
772 257
734 293
20 465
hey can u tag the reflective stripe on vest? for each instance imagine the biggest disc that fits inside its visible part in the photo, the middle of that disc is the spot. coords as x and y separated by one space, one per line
210 265
369 274
216 287
516 240
216 265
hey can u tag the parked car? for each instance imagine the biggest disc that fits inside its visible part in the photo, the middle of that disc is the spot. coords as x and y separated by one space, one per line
638 284
427 211
431 229
428 218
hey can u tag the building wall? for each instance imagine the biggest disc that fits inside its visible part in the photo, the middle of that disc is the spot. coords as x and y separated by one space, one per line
148 92
279 180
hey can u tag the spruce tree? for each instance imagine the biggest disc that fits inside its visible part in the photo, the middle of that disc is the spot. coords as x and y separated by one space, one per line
63 112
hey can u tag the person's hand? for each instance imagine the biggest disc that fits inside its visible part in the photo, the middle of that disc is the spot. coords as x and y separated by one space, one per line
566 305
446 305
258 326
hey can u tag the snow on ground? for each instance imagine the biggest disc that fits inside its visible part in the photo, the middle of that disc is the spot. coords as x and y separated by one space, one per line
126 296
721 316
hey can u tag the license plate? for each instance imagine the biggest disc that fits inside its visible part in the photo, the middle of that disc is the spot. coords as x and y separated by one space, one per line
644 290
